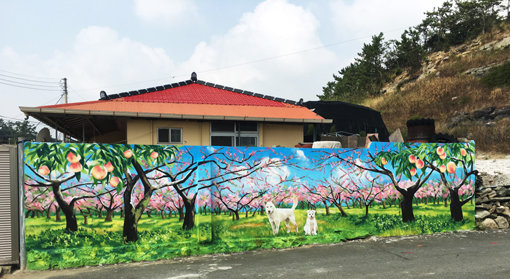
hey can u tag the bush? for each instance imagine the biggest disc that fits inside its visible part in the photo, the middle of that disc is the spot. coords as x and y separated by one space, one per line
498 76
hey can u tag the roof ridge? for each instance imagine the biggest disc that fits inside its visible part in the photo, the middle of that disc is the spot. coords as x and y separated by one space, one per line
201 82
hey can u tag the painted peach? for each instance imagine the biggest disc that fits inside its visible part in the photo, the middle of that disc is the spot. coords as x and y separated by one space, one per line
75 167
114 181
412 159
451 167
412 171
383 161
419 163
99 172
72 158
442 168
154 155
463 152
44 170
442 156
109 167
439 151
128 153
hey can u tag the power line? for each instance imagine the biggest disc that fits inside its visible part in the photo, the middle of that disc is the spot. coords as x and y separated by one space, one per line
27 84
27 79
17 119
29 76
27 87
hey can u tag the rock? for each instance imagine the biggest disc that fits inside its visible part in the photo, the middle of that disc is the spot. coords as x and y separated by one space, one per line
488 46
396 136
483 114
504 192
506 211
481 214
504 43
489 224
500 209
501 112
501 222
456 120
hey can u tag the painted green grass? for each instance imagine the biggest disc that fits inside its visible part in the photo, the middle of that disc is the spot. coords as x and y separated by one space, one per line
49 246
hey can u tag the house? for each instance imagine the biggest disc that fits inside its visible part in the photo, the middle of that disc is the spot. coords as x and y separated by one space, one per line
191 112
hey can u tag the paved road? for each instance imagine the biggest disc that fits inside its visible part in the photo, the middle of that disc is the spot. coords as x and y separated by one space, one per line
451 255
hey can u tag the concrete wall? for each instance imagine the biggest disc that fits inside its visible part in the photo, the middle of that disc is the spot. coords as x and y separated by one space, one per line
198 132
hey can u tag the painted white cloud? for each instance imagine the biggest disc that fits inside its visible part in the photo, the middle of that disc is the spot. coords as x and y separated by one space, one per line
273 35
362 18
99 59
167 12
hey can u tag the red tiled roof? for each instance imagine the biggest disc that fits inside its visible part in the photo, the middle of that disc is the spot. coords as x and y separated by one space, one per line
201 94
194 100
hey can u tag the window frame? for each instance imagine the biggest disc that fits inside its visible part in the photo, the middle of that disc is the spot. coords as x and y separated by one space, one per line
236 134
169 135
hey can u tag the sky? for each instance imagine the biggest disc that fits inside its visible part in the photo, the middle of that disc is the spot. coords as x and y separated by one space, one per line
284 48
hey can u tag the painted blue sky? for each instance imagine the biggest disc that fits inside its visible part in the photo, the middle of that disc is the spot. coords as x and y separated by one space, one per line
285 48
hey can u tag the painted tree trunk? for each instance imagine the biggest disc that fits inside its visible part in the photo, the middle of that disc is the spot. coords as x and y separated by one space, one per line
455 205
189 215
181 213
109 215
71 223
407 207
366 210
130 229
57 214
326 207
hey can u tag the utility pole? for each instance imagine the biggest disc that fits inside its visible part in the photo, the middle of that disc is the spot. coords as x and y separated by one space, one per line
64 80
64 87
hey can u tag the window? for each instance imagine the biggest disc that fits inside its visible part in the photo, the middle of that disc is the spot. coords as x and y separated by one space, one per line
234 133
169 135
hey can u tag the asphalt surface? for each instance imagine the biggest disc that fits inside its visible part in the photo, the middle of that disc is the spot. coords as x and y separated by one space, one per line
473 254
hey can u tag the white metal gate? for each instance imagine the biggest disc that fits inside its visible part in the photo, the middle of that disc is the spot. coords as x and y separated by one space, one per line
9 226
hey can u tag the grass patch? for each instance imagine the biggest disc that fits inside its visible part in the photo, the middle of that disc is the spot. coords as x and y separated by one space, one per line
50 247
498 76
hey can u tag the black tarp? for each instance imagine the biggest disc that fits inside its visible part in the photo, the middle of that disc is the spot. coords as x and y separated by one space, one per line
349 118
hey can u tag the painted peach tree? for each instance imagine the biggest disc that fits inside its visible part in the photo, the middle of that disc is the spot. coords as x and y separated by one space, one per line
59 168
393 163
453 163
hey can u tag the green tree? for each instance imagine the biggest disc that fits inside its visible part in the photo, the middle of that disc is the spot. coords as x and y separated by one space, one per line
10 131
361 78
406 53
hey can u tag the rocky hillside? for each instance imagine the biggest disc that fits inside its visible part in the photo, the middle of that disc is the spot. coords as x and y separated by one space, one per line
466 90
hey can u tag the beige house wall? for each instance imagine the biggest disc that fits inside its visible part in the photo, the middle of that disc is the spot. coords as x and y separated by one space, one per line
146 131
276 134
198 132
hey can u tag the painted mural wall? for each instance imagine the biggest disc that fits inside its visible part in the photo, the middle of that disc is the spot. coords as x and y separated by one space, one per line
90 204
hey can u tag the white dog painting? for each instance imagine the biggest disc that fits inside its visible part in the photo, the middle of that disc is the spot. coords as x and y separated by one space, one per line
278 215
311 223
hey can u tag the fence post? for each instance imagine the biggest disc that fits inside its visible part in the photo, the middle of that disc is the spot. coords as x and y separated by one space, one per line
21 200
